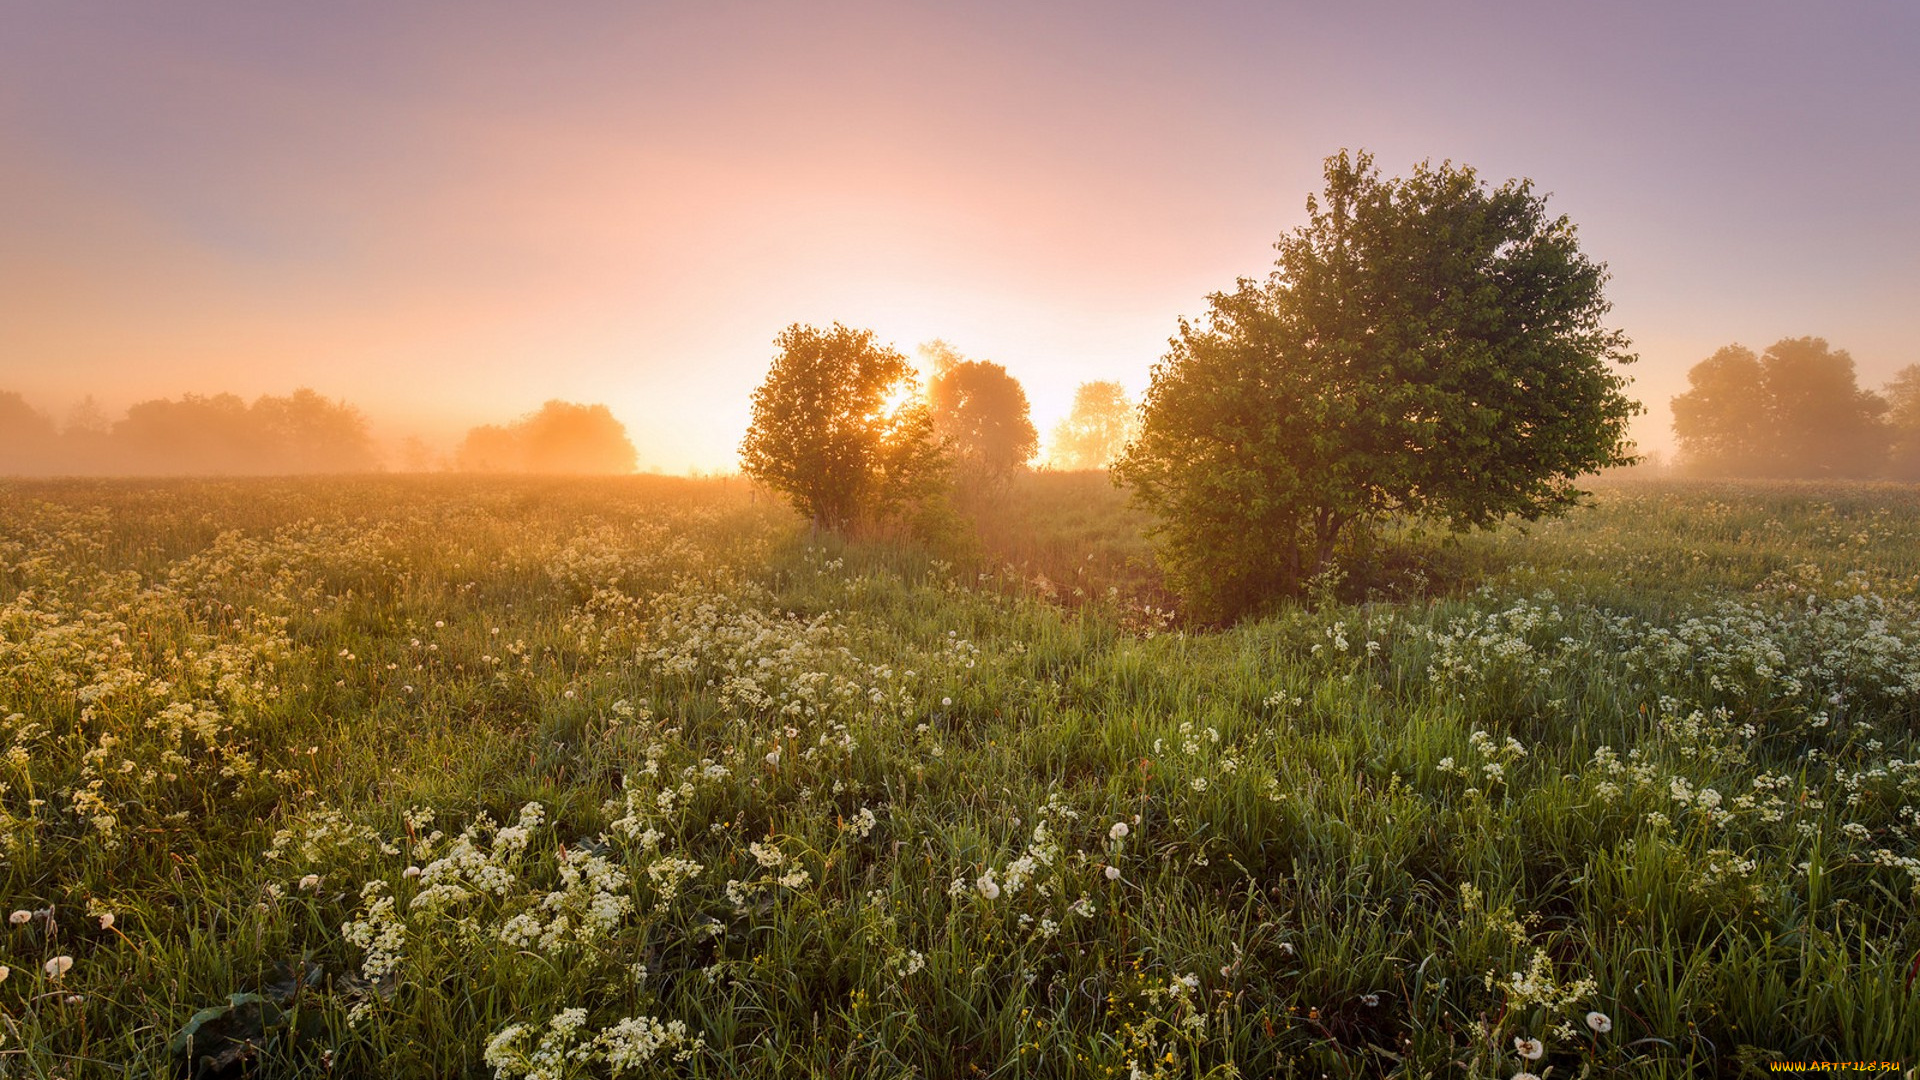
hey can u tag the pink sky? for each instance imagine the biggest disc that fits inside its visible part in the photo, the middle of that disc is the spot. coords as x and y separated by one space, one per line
448 214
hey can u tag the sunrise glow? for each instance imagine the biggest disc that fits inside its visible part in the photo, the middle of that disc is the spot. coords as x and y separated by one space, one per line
448 219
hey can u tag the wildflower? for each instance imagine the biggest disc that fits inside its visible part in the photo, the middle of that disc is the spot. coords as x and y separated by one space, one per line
59 966
1530 1049
1524 1075
106 920
21 917
1113 873
75 999
311 881
4 972
946 701
989 888
1600 1022
773 756
1118 831
410 872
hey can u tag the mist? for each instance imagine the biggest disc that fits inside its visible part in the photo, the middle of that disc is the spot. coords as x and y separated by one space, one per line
299 433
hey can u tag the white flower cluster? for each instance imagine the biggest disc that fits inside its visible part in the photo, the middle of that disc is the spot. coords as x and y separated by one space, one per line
379 931
1537 986
1511 652
563 1045
590 904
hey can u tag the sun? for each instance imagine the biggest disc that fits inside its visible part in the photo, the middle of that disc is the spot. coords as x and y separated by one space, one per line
901 394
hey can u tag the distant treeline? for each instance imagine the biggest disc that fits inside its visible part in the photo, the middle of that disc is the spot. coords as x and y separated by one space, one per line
1796 411
302 432
560 438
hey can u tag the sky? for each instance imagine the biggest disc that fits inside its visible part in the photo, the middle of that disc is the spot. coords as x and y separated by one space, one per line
448 214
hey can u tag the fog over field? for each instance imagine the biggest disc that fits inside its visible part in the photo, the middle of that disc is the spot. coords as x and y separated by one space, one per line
1053 539
447 220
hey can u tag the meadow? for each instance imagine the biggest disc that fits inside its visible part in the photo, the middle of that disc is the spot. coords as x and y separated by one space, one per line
449 777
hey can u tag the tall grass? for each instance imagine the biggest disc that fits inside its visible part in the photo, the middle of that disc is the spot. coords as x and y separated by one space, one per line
518 778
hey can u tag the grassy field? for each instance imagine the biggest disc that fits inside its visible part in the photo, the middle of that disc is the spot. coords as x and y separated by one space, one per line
444 777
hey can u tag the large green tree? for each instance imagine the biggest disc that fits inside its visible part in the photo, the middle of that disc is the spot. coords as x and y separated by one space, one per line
838 430
1427 346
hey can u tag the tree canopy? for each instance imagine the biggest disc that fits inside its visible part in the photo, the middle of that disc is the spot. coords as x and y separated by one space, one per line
560 438
1903 423
1795 411
303 432
980 414
838 428
27 436
1426 346
1095 430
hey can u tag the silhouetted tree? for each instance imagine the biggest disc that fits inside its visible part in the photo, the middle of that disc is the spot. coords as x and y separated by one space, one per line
1722 424
1096 431
196 434
301 433
1903 423
27 437
86 440
1796 411
980 416
1825 424
306 433
561 437
1425 346
492 449
827 431
567 438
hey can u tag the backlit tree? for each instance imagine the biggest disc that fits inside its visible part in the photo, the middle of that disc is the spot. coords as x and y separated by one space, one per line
1795 411
980 415
1427 347
1096 430
1903 423
838 429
